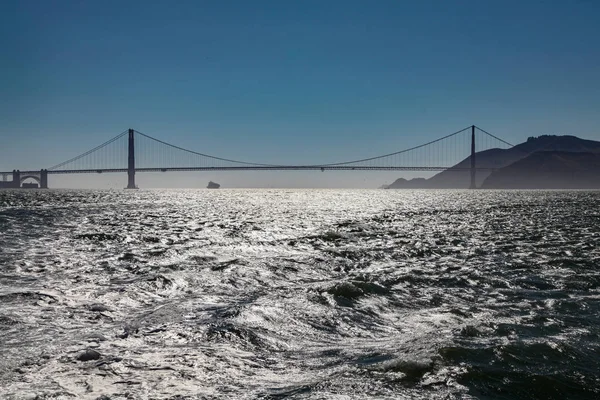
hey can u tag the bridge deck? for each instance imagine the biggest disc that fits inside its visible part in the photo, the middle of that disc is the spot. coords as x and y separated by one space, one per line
256 168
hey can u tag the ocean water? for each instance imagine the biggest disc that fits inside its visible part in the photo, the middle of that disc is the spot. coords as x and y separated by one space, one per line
299 294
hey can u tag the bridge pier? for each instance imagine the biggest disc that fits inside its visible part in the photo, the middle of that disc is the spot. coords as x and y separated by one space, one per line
16 182
44 179
473 182
131 161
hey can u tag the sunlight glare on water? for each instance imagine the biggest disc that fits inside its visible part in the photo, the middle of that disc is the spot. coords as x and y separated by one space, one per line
299 294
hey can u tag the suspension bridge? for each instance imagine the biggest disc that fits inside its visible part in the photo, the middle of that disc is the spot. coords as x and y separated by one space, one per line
135 152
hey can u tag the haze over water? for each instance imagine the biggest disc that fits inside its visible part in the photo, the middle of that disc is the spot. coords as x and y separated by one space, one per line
303 294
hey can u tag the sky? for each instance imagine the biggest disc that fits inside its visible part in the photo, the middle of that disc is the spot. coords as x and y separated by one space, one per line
289 81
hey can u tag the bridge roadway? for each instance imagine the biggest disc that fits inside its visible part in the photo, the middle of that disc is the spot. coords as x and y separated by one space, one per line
257 168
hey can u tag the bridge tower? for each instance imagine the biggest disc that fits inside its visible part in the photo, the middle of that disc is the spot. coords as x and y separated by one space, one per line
473 184
131 161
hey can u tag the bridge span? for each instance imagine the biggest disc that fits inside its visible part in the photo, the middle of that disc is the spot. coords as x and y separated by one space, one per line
123 154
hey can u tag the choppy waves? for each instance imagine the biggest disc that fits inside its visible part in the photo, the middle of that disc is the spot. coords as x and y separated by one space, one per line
299 294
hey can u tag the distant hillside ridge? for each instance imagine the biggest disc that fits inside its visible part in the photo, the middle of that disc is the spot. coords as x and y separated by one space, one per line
497 159
549 170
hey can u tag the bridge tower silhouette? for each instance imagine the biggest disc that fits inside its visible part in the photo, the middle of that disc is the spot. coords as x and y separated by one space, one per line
131 161
473 170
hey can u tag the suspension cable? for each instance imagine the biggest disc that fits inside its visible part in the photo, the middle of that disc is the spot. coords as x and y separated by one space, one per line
89 152
495 137
271 165
201 154
398 152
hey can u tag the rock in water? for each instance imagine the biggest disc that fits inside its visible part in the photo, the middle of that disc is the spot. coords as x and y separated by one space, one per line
89 355
98 307
213 185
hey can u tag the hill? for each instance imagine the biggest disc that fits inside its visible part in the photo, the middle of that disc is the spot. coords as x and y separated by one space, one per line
549 170
497 159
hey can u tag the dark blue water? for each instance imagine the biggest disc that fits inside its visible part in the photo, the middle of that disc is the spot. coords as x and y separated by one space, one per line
303 294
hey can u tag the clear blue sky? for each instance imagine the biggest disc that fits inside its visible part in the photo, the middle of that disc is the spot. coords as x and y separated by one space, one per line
292 81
